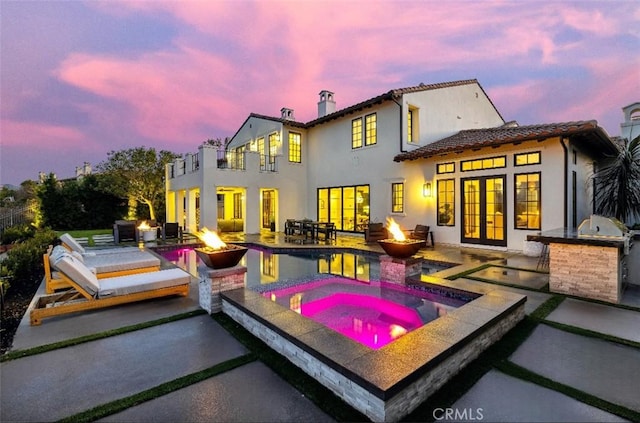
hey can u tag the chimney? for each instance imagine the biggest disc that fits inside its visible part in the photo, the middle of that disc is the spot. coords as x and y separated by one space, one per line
86 170
327 104
287 114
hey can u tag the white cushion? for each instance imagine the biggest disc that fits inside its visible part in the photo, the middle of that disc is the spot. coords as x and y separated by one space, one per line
72 243
121 262
79 273
123 285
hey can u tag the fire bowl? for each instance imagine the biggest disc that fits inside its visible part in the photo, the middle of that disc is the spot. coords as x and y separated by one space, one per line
401 249
223 258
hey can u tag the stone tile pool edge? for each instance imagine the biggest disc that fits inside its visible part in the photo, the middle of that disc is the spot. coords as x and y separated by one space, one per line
388 383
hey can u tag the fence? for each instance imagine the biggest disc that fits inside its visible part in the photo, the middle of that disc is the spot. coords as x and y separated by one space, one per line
15 216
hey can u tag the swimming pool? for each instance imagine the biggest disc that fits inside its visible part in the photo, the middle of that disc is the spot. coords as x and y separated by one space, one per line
269 266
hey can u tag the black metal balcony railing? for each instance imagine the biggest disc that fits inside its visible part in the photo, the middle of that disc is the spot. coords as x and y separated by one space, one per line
231 160
268 163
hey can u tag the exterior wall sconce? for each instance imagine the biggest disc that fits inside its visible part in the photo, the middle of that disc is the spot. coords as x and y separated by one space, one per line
426 189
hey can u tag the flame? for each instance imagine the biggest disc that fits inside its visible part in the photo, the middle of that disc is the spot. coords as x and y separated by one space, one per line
395 230
211 239
144 226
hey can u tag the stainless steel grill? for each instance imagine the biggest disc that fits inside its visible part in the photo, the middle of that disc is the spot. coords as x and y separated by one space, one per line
605 227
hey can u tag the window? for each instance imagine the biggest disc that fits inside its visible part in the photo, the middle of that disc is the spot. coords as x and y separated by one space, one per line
528 201
397 197
371 129
347 207
295 149
446 202
237 205
446 168
274 140
260 143
410 120
488 163
526 158
356 133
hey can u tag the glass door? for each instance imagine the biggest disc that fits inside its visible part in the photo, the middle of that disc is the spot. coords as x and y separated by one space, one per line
268 208
483 210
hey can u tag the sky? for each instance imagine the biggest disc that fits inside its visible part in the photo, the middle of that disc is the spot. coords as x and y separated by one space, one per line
79 79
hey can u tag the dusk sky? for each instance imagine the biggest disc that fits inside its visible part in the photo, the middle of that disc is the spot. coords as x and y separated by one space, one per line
79 79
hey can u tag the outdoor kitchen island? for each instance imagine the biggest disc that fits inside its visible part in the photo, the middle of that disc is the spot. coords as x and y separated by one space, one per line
588 264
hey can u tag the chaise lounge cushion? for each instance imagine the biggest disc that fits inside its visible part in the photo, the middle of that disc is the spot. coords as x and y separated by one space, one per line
106 263
72 243
130 284
79 273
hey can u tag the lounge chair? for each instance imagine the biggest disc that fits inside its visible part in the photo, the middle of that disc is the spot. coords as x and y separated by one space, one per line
171 230
88 292
375 232
103 265
423 233
73 245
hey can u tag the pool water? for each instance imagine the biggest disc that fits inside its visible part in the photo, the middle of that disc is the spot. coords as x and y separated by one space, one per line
372 313
266 267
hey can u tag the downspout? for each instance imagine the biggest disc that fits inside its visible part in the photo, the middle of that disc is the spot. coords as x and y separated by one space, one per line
566 173
402 150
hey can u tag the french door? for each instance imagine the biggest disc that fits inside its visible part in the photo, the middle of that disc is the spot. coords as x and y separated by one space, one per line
484 210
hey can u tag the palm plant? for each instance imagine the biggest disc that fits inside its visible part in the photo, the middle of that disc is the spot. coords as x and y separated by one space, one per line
617 184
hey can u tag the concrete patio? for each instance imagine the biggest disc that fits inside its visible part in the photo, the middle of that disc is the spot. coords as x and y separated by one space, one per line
66 381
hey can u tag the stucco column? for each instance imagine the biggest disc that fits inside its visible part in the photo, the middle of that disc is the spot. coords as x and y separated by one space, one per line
209 207
252 210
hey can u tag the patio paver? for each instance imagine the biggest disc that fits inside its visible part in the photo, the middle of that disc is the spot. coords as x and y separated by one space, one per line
250 393
518 277
534 299
601 318
527 402
604 369
60 383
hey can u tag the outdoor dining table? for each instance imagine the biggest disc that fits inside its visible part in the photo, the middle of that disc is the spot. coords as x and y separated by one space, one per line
307 228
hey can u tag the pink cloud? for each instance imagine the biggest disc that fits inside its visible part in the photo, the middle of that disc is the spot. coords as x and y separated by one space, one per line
38 135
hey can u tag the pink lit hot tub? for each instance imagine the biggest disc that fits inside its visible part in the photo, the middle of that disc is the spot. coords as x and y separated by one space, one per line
372 313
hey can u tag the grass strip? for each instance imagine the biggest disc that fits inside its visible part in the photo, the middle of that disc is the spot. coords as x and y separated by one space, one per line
122 404
547 308
468 272
592 334
519 372
93 337
504 266
510 285
307 385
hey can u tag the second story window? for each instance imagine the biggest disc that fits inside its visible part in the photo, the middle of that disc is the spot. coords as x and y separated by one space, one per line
367 131
412 125
371 129
356 133
274 140
295 147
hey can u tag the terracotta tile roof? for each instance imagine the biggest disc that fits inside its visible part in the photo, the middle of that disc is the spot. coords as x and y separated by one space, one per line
389 95
509 133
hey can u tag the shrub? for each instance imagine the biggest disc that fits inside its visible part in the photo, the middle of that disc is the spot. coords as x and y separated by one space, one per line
17 234
23 265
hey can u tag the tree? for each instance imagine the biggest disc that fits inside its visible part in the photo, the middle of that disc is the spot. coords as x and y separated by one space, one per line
618 184
138 173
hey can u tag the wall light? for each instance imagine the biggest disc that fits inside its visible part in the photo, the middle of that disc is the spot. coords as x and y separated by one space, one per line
426 189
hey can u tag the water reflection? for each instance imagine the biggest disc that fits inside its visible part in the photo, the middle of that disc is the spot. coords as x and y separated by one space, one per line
265 267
